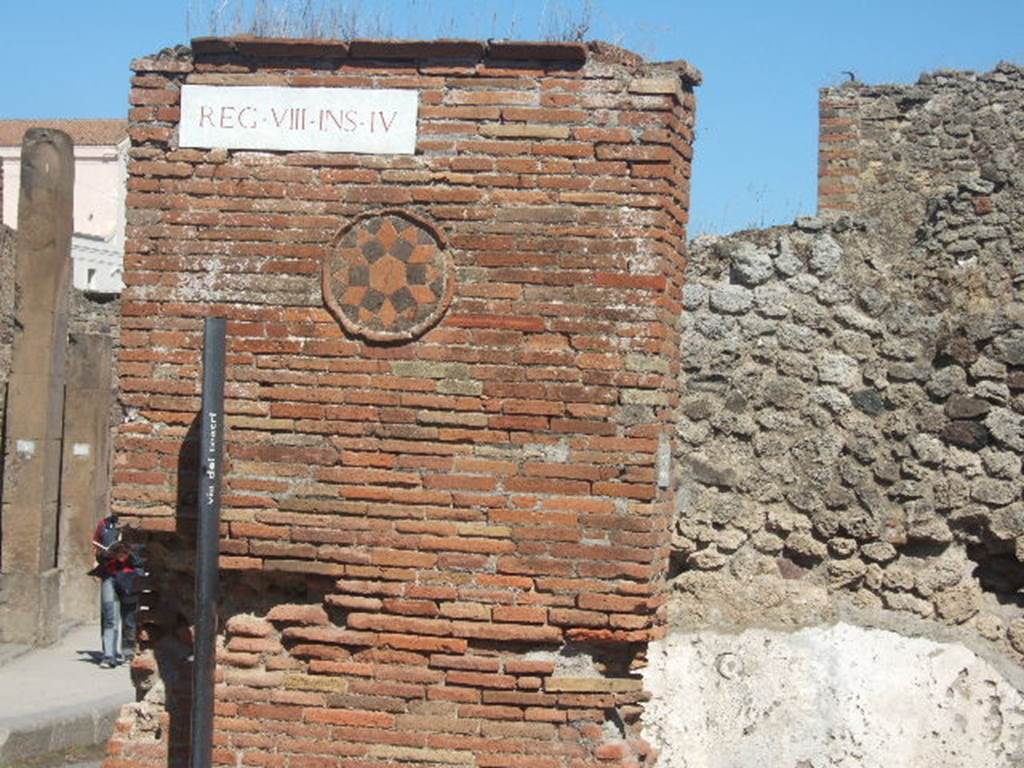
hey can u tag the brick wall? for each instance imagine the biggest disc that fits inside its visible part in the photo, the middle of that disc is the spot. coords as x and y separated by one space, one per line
838 158
444 549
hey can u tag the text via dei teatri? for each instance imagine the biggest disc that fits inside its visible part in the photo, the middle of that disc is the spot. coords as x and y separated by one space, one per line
359 120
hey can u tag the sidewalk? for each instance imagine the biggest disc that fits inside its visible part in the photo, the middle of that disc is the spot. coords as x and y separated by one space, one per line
58 697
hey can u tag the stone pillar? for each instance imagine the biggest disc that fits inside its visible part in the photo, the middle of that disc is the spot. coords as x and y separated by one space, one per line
29 578
6 322
84 485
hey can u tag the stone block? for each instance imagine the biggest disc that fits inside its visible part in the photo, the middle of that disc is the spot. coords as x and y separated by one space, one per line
34 407
751 266
29 535
731 300
31 476
29 607
967 434
962 407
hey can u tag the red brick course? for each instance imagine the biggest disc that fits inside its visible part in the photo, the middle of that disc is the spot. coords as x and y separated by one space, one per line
461 506
838 154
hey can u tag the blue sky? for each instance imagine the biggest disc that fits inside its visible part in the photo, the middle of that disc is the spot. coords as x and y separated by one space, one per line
763 64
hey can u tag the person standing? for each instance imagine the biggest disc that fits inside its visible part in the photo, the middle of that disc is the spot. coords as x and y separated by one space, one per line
118 566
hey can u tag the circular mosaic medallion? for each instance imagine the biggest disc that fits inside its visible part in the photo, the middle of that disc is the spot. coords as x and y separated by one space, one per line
389 276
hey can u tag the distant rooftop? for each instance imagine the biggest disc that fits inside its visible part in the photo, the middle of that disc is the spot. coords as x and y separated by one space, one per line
82 132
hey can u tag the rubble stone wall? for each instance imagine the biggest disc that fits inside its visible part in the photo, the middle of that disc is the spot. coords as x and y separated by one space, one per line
837 430
852 410
851 434
936 167
449 548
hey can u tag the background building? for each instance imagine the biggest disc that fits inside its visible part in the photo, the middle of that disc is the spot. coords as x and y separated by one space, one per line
101 154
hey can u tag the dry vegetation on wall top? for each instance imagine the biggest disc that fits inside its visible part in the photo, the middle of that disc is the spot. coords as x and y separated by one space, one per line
571 20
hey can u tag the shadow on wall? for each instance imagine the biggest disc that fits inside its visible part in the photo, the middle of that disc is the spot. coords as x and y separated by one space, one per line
163 670
162 673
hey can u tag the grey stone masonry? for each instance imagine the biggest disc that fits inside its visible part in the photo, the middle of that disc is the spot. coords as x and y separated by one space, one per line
937 167
852 419
839 430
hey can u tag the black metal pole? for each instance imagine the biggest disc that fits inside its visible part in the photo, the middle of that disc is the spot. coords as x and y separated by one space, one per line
211 442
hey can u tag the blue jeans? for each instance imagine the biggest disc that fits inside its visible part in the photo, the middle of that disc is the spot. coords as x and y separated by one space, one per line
117 620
